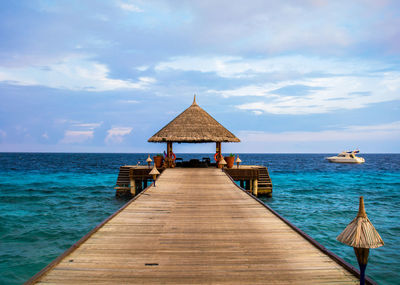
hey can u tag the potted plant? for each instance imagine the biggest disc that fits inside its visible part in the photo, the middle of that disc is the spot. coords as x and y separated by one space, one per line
158 160
230 160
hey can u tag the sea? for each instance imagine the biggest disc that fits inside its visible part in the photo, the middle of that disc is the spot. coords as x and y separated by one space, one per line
48 201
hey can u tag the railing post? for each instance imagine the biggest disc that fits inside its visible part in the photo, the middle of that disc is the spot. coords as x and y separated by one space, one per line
132 183
133 186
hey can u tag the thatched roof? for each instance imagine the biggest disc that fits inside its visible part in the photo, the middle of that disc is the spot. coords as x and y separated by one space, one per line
360 233
194 125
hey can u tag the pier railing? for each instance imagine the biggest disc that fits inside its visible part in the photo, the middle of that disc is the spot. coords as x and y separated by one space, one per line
132 179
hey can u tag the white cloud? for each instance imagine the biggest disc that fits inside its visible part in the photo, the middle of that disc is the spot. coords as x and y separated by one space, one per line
129 7
129 101
255 27
143 67
224 66
76 136
60 121
236 67
3 134
393 126
71 73
253 90
21 129
45 136
116 134
323 95
146 80
328 84
89 126
78 132
380 132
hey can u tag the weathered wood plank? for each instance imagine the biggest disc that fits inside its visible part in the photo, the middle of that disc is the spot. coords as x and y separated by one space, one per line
196 227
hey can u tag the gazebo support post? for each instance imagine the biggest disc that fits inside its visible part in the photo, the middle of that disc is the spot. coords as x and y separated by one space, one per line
218 150
169 154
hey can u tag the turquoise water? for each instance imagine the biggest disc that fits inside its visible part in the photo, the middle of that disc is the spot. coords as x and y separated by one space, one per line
49 201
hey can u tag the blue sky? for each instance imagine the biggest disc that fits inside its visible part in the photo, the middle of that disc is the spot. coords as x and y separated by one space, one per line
283 76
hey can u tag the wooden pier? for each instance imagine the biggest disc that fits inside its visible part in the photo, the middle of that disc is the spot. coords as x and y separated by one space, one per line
255 179
196 227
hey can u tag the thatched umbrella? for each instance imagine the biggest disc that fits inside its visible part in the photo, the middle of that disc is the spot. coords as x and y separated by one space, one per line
361 235
154 172
222 162
238 161
149 160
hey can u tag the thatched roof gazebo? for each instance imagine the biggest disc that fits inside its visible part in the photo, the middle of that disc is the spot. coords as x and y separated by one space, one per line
194 125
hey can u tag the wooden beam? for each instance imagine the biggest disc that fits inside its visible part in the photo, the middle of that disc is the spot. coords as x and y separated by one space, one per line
255 187
219 151
132 184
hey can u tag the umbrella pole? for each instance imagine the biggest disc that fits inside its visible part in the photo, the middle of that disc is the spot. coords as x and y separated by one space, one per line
362 273
362 258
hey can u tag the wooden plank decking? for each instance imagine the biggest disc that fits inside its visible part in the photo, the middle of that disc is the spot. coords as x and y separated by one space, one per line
196 227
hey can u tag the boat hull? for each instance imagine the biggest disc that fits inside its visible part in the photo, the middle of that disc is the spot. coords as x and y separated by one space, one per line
336 159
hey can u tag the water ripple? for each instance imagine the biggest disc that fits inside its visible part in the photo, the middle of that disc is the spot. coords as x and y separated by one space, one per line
49 201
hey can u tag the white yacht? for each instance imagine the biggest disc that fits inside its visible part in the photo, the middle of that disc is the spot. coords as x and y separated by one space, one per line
346 157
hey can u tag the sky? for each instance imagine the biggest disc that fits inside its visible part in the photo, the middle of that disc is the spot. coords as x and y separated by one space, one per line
307 76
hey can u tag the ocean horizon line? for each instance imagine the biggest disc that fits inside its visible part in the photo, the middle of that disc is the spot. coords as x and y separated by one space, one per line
74 152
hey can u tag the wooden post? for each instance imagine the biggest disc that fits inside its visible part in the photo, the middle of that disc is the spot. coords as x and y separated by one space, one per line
362 258
169 154
172 161
132 183
255 187
133 186
251 185
218 150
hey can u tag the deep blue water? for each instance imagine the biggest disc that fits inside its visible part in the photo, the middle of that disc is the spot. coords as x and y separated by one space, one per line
49 201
